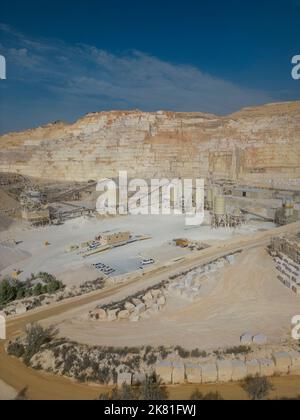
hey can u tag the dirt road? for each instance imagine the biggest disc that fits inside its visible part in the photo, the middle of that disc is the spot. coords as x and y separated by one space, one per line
45 386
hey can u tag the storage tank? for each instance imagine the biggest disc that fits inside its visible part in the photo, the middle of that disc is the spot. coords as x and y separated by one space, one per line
212 192
210 195
219 205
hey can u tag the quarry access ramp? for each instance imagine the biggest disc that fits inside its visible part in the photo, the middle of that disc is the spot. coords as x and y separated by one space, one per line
41 385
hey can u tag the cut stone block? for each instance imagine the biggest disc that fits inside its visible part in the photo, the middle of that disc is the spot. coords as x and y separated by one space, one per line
148 296
149 303
129 306
209 373
100 314
260 339
137 302
134 318
189 283
124 379
156 293
283 363
231 259
164 371
193 373
267 367
295 365
253 367
178 376
112 315
140 309
239 370
178 290
123 315
154 308
224 370
246 339
161 301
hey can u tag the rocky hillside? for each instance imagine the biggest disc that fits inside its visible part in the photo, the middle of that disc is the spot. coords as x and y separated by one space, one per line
255 146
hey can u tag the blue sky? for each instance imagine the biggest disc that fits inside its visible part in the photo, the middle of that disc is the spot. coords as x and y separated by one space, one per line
66 58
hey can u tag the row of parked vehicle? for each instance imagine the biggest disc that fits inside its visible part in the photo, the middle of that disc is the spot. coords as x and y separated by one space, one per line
108 270
105 269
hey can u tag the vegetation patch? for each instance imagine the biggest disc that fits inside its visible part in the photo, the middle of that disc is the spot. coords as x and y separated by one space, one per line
37 285
151 389
41 348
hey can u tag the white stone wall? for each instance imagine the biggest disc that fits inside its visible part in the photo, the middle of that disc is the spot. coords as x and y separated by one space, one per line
227 370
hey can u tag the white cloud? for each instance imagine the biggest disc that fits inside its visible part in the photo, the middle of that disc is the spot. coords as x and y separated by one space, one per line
130 80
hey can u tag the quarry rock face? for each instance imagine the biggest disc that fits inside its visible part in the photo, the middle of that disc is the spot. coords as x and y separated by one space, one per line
254 146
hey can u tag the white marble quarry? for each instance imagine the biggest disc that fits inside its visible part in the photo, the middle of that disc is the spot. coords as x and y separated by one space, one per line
256 145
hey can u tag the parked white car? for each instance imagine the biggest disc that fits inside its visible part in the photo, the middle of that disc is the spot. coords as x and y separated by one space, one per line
148 261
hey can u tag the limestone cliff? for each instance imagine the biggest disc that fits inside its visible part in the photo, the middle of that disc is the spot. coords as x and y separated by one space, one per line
254 146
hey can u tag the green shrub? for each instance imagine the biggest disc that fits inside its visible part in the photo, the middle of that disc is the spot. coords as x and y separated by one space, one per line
238 350
54 286
16 349
36 337
38 289
164 353
104 376
151 359
257 388
8 291
125 393
70 360
13 289
150 390
211 396
184 354
197 353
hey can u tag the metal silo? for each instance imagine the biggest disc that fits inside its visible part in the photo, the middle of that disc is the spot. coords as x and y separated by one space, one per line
210 198
219 205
